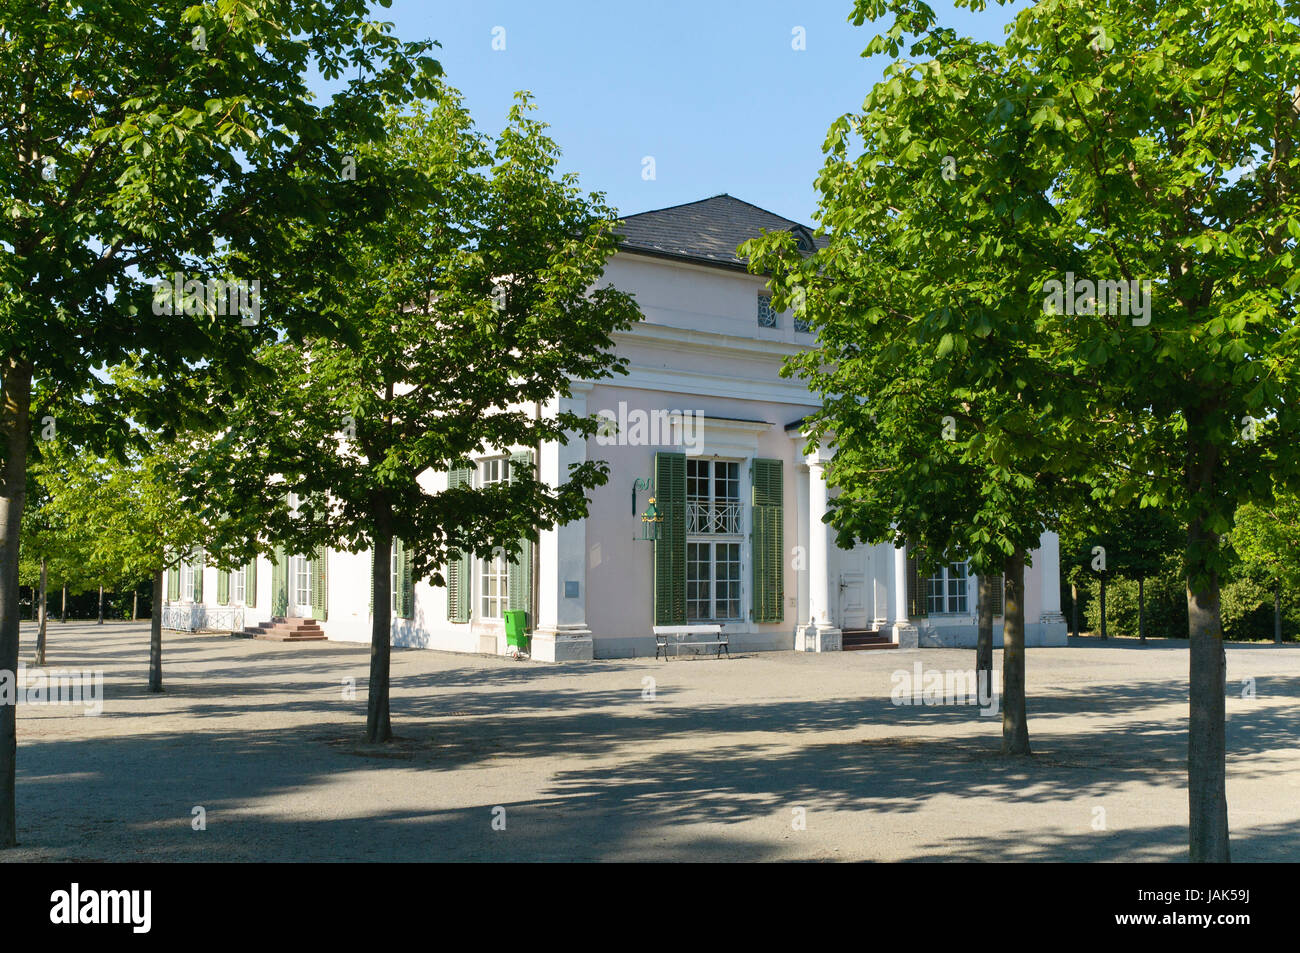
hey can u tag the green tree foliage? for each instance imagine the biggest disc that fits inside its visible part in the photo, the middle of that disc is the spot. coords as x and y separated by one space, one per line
470 306
946 419
132 521
1266 539
1133 165
146 139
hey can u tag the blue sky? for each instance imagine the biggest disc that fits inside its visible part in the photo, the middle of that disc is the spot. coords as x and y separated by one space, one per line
712 89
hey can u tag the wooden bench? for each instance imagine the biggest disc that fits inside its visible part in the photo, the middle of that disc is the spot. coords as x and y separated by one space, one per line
679 635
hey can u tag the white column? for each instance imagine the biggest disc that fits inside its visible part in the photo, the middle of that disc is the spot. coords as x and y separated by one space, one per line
822 635
561 633
803 611
900 585
819 541
1048 562
904 633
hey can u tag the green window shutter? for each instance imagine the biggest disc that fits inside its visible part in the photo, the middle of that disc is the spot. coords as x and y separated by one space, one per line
320 584
995 594
250 583
198 578
670 547
279 583
174 584
916 600
458 573
768 541
519 575
405 584
223 587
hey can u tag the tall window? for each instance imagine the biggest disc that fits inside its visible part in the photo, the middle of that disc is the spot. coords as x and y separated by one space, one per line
238 586
946 590
766 316
300 577
187 581
492 572
714 523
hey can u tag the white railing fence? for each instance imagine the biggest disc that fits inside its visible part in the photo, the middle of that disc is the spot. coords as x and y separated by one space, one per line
195 617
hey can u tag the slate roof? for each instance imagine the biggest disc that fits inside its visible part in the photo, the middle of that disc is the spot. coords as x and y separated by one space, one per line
707 231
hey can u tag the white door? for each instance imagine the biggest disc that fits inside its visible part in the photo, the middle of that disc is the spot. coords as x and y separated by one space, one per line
300 587
853 611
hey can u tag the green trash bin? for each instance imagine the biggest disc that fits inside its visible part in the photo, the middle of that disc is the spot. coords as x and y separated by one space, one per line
516 626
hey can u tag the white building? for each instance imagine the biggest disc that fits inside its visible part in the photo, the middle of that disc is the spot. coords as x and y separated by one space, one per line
706 426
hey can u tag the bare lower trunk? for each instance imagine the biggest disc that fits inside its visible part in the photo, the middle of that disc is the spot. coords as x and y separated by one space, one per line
379 725
1015 724
1277 612
63 614
1206 741
17 391
1074 607
101 605
155 635
1142 609
1103 605
43 617
984 633
135 603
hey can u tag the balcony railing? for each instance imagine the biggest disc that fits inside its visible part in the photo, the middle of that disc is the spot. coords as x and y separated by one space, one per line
706 517
196 617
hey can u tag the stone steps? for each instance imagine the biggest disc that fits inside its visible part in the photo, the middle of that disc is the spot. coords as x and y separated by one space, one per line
287 630
862 640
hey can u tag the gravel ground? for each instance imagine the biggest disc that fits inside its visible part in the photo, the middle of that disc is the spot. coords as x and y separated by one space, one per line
581 765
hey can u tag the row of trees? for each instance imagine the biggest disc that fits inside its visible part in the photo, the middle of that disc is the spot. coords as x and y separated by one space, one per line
426 291
1139 563
976 393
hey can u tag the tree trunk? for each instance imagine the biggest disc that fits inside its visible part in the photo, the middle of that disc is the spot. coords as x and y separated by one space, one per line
17 393
984 635
135 603
63 614
155 635
1103 605
101 605
379 726
1074 609
1206 742
1277 612
43 617
1142 609
1015 724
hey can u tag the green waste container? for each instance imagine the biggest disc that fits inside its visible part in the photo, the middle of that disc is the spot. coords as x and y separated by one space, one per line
516 625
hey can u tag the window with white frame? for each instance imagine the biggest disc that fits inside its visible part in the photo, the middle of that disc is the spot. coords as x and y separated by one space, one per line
187 581
946 590
492 572
300 576
714 527
766 316
239 587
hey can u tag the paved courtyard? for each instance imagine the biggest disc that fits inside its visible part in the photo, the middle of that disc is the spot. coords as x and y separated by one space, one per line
583 765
